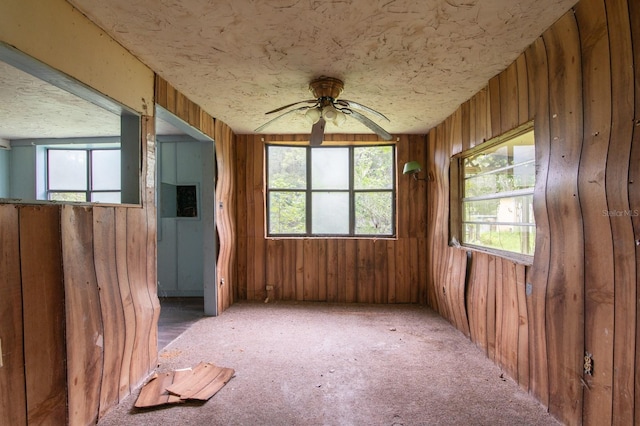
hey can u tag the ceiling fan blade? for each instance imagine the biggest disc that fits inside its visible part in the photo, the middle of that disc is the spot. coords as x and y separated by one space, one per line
259 129
370 124
310 101
355 105
317 133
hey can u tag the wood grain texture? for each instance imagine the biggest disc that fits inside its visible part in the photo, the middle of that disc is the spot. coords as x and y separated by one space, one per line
617 178
84 328
565 290
129 312
225 214
336 270
13 398
44 332
598 243
633 181
136 250
579 83
104 235
539 272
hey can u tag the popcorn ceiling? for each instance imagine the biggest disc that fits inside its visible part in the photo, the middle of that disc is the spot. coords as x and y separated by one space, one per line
415 61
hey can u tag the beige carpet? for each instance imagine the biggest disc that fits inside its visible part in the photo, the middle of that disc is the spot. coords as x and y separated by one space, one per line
326 364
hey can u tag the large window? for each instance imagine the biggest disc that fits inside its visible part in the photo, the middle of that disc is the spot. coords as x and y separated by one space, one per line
83 175
492 194
330 191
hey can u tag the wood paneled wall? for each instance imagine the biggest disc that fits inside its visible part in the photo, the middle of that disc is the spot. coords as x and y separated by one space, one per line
579 83
332 270
78 305
179 105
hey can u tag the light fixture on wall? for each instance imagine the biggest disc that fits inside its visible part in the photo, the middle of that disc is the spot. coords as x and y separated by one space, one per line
413 168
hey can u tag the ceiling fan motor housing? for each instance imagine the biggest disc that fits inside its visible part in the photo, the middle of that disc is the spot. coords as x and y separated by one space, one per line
326 87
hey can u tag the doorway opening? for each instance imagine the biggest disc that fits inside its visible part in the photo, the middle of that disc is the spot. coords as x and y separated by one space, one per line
187 248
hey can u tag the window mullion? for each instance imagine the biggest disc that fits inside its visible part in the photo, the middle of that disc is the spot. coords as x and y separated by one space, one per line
89 171
352 203
308 194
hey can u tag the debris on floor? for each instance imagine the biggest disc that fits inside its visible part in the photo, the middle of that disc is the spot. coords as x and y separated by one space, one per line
175 387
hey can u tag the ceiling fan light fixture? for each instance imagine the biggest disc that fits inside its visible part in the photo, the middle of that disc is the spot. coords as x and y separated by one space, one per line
341 117
313 115
329 113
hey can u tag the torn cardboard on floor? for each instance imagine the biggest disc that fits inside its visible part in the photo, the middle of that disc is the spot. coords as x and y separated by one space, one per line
175 387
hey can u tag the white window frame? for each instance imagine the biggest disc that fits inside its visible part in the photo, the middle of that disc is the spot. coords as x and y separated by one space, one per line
89 184
457 200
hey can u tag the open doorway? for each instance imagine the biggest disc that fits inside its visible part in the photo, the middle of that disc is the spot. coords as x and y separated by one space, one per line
187 250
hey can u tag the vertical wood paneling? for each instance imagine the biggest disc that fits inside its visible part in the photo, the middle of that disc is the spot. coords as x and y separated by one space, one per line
225 214
127 300
332 271
509 100
104 235
143 307
84 329
494 124
338 270
565 290
539 106
13 401
44 337
522 356
617 177
634 182
149 206
598 244
94 338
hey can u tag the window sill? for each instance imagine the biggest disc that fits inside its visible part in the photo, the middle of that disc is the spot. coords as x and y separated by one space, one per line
522 259
330 237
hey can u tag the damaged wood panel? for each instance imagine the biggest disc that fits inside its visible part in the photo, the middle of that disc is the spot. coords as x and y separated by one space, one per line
136 251
477 299
580 292
104 242
129 313
13 400
44 333
225 214
149 205
84 328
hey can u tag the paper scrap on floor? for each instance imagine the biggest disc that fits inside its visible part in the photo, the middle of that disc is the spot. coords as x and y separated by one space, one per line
199 383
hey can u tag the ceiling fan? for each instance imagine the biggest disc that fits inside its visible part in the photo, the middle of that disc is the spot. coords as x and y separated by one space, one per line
326 107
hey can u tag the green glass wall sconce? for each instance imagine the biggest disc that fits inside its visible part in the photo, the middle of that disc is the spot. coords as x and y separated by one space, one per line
413 168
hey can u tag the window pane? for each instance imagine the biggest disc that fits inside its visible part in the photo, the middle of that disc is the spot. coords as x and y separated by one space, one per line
373 167
68 196
503 210
106 197
330 213
505 167
287 167
519 239
497 211
105 169
287 213
330 168
67 169
374 213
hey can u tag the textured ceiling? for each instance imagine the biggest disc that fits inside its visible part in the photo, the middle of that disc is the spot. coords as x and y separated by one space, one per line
413 60
31 108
